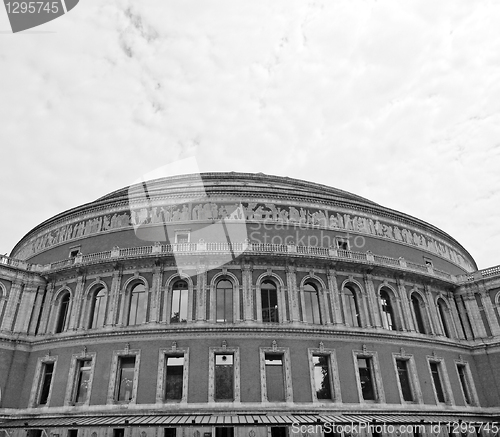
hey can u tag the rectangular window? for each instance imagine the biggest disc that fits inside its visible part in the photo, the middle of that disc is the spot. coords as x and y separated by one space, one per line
464 383
125 381
365 369
274 377
182 237
278 431
46 382
322 384
404 380
269 301
169 432
83 372
224 377
119 432
72 433
174 378
436 379
226 431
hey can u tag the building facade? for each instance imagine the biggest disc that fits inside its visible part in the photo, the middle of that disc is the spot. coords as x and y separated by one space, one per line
245 305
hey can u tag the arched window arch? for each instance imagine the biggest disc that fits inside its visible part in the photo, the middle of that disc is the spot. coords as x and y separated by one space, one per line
443 316
179 302
63 312
417 307
224 301
97 317
387 310
312 312
352 316
497 306
269 301
137 305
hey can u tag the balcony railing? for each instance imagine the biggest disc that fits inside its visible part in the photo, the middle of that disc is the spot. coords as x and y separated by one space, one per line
186 249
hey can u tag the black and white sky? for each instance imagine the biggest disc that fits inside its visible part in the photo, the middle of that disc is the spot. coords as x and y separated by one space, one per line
398 102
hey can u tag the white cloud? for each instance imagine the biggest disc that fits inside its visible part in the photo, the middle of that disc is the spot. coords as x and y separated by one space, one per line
395 101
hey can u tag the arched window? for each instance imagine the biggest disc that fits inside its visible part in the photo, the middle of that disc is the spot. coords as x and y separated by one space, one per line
179 305
351 310
269 300
443 310
311 304
224 301
137 305
98 308
417 312
388 321
63 313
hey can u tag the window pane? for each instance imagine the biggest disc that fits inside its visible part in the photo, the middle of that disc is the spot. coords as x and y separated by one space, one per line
387 313
366 379
269 301
275 380
437 382
404 380
463 382
224 377
63 313
174 378
48 370
322 377
126 379
99 310
224 301
442 315
179 302
83 376
418 314
227 431
311 310
351 310
137 312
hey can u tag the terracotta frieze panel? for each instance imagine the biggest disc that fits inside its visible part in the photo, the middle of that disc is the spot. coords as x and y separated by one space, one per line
325 218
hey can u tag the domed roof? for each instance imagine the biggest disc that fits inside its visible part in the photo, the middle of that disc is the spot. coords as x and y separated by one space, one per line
234 183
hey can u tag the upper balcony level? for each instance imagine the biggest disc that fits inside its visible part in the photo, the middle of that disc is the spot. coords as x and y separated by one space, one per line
184 251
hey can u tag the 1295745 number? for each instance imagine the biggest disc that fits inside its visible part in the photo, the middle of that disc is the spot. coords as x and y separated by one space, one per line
32 7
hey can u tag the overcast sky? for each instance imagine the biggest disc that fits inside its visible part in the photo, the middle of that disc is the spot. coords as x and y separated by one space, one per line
395 101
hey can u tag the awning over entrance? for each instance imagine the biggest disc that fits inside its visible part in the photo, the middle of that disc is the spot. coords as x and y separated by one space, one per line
170 420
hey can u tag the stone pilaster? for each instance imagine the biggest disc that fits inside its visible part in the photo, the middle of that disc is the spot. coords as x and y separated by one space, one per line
454 313
12 306
291 281
489 310
406 311
78 305
323 313
334 297
156 296
465 319
26 308
474 316
36 310
47 308
113 303
373 313
201 294
246 275
433 313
